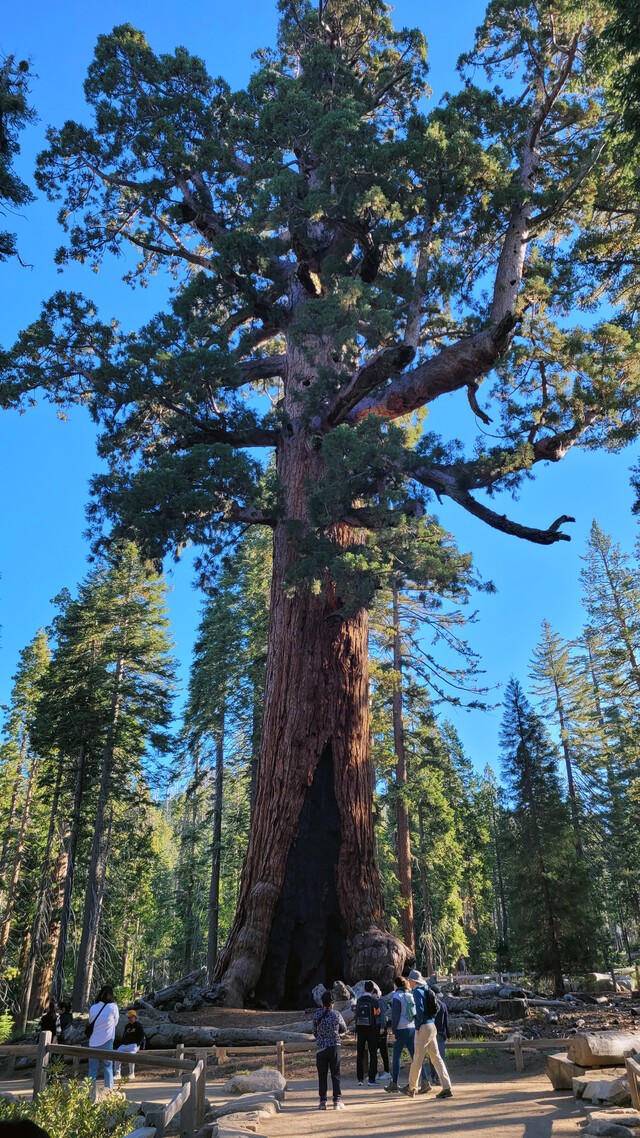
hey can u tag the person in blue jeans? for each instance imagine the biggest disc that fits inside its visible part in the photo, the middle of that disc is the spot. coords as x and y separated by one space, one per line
103 1016
442 1028
403 1029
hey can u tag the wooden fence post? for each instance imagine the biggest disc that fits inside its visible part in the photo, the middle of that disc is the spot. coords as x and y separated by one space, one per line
517 1050
280 1057
188 1110
202 1080
42 1062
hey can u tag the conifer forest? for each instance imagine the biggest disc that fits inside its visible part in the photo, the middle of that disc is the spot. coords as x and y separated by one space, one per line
341 256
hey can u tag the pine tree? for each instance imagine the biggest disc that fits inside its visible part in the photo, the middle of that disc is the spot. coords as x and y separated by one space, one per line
337 243
138 675
563 692
543 877
34 660
15 114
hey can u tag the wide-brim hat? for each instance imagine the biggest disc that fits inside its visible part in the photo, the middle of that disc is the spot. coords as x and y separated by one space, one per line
416 976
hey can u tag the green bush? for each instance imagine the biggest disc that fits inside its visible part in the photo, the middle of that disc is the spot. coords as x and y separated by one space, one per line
67 1112
6 1026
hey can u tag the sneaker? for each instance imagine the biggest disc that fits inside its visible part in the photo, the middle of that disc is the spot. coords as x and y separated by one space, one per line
338 1104
425 1087
445 1094
322 1105
360 1083
392 1089
384 1077
408 1091
372 1084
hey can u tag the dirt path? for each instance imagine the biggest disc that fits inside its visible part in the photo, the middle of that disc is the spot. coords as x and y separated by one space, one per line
519 1106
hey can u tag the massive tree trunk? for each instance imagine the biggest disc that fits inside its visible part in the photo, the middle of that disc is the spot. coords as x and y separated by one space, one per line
402 814
310 903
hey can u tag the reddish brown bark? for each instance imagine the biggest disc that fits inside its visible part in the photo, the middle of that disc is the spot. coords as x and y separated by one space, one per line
310 904
43 978
402 814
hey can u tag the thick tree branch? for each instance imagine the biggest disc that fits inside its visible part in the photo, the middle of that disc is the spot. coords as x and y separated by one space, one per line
514 247
382 366
270 367
443 483
454 367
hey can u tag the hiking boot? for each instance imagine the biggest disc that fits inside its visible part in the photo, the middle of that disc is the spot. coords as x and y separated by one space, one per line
445 1094
425 1087
392 1089
338 1104
408 1091
322 1105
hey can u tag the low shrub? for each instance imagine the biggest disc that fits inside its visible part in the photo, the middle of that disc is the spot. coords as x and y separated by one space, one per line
66 1111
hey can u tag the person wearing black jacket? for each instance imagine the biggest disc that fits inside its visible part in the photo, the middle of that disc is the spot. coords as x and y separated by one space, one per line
133 1039
368 1013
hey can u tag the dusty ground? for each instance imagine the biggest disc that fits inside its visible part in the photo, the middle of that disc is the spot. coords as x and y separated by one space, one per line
488 1103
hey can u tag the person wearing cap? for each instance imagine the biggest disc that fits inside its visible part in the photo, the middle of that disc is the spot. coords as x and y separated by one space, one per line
133 1039
426 1038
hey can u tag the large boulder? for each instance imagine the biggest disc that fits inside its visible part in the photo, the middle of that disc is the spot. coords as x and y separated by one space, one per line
561 1072
266 1079
603 1048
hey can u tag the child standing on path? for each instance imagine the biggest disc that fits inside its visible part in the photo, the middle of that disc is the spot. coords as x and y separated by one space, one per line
328 1026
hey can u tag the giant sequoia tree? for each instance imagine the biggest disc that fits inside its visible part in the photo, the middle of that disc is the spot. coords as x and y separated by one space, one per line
344 260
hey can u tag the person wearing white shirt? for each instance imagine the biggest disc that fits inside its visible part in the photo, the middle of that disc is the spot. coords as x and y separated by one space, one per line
104 1016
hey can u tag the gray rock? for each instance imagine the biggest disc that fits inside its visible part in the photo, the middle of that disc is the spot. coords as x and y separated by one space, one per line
318 993
608 1130
341 991
265 1103
266 1079
629 1118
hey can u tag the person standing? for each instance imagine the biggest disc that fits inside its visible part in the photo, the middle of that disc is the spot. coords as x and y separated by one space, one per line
328 1026
103 1020
442 1034
426 1036
368 1013
403 1015
66 1019
133 1039
51 1021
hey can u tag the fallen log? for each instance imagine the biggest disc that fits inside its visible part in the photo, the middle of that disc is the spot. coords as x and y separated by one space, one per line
603 1048
252 1036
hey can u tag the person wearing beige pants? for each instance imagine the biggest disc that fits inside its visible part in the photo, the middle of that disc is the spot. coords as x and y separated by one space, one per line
427 1040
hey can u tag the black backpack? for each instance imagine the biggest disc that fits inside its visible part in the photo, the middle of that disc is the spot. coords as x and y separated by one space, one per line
431 1004
365 1011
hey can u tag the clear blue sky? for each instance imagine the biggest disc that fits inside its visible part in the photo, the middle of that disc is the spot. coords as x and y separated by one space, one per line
45 464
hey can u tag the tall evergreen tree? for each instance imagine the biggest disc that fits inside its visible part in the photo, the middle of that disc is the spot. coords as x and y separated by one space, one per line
562 688
361 259
544 878
34 661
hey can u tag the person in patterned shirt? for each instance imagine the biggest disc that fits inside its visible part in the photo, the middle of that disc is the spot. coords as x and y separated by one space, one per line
328 1026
